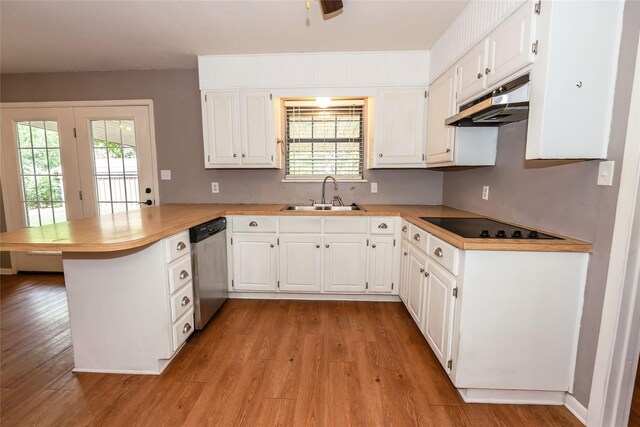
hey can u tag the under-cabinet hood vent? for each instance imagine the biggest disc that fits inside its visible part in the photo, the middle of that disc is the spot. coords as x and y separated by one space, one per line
507 104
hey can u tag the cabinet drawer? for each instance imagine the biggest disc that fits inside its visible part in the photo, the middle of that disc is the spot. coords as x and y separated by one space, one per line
301 225
419 237
345 225
382 225
177 246
182 329
179 273
445 254
405 229
254 224
181 301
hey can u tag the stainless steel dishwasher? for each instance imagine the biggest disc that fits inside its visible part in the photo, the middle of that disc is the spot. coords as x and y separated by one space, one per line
209 259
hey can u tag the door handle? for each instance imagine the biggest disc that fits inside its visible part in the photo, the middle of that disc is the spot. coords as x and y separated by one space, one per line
147 202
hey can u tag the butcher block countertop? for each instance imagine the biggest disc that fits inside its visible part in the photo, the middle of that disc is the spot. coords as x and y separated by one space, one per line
123 231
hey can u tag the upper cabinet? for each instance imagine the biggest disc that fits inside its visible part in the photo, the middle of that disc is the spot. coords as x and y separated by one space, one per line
471 76
239 129
399 135
573 79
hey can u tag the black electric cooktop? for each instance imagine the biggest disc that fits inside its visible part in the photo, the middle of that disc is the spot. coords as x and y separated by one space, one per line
482 228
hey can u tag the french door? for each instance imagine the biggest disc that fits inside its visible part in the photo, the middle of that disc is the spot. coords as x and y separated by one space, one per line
65 163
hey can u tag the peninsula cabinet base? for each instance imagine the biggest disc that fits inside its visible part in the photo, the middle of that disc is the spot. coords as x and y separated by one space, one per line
517 397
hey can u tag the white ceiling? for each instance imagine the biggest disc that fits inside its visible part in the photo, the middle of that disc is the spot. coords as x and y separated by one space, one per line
43 36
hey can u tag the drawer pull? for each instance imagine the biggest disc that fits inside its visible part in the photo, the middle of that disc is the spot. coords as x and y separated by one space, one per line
404 228
185 301
416 237
253 224
184 274
438 252
317 246
186 329
180 246
383 226
373 246
422 270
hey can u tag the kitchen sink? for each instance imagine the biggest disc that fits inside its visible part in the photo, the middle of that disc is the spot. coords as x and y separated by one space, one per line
308 208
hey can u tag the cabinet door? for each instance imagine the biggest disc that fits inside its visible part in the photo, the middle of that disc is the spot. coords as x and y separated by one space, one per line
404 271
300 262
399 138
471 79
442 105
257 129
510 45
220 121
381 260
345 263
437 311
254 262
417 268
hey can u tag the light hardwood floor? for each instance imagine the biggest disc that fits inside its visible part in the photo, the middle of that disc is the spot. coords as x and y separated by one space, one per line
258 363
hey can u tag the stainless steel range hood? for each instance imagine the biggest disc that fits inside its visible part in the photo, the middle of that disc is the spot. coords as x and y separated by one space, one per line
507 104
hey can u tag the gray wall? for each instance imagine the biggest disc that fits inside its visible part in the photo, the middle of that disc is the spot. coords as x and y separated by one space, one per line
178 126
560 197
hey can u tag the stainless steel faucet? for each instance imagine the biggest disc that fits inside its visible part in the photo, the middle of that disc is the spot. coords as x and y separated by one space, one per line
335 186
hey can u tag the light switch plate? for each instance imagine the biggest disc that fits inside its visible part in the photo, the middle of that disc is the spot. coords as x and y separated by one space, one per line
165 175
485 192
215 188
605 173
374 187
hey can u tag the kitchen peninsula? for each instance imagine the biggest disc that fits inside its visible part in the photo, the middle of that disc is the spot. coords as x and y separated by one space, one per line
127 276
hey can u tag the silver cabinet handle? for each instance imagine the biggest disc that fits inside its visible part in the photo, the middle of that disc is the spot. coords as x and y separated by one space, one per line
373 246
244 155
438 252
383 226
235 155
186 329
380 155
317 246
271 245
426 274
487 70
253 224
448 150
180 246
422 270
326 246
184 274
404 228
479 76
185 301
416 237
406 253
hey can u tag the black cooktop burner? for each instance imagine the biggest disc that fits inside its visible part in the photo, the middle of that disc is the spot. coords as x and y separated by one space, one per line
486 229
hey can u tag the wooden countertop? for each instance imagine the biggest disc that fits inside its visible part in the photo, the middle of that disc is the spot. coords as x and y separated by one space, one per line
122 231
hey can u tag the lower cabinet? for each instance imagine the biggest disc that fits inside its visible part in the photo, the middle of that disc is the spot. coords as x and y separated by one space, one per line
381 262
254 262
437 316
415 282
404 271
345 263
300 262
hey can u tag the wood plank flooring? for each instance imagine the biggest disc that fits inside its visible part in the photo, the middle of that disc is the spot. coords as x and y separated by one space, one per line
258 363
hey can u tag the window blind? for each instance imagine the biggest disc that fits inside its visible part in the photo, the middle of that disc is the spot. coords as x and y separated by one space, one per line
324 141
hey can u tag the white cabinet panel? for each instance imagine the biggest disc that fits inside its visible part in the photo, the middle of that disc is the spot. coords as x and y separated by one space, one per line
381 262
471 77
345 263
254 224
258 138
510 45
220 121
417 269
399 137
300 262
442 105
437 316
254 262
404 271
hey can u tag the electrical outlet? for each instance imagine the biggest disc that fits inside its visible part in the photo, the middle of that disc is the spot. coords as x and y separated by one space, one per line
374 187
215 188
165 175
605 173
485 192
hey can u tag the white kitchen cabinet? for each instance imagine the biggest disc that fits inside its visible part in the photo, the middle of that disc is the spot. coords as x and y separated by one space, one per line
300 262
438 308
573 80
254 262
442 105
399 136
417 269
471 78
381 263
239 129
404 271
345 263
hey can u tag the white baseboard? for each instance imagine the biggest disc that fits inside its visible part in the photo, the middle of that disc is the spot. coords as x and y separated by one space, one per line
518 397
576 408
7 271
313 297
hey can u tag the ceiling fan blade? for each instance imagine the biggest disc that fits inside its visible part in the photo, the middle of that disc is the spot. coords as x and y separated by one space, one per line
330 6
